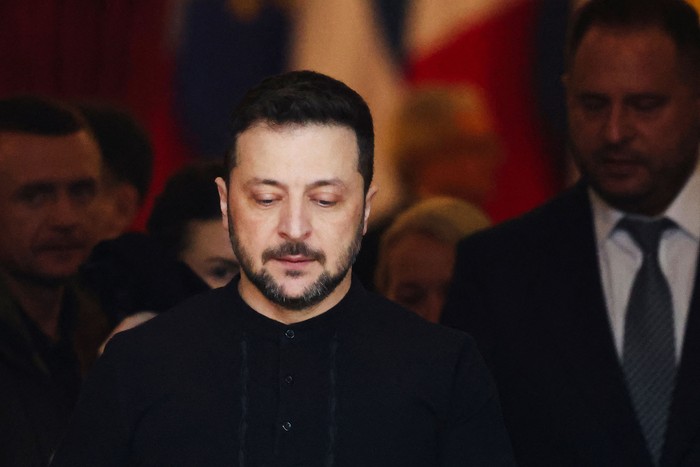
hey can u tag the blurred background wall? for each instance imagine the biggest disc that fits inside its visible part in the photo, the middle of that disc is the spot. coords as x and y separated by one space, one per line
180 65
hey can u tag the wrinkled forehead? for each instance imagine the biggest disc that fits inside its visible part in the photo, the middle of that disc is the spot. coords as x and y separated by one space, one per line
313 147
653 46
26 156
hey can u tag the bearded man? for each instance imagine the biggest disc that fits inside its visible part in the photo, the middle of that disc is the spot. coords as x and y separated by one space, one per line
294 362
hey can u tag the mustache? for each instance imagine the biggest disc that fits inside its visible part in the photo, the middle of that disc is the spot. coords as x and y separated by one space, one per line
618 152
61 243
293 249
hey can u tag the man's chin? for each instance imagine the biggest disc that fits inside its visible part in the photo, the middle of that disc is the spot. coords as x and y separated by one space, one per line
295 285
43 278
629 198
298 293
621 187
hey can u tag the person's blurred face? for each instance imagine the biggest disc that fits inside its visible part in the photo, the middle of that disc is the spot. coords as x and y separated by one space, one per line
48 185
296 211
467 176
633 117
208 252
419 270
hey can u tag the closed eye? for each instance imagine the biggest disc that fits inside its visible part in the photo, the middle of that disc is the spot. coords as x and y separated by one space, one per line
36 194
325 203
592 103
265 200
647 103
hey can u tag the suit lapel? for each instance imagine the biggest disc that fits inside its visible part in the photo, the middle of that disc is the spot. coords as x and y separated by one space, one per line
684 422
582 330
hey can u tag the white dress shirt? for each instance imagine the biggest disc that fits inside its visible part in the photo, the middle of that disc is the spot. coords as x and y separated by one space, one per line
619 258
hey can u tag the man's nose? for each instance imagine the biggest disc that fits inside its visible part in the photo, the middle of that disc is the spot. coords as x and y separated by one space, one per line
66 212
618 126
295 222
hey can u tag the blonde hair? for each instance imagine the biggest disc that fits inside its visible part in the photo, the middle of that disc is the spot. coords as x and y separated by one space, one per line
441 121
443 218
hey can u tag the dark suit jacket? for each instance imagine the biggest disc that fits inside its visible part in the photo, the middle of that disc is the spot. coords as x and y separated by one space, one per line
530 292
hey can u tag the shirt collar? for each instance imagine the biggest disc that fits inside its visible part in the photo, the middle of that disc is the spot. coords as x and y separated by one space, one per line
605 217
684 210
323 324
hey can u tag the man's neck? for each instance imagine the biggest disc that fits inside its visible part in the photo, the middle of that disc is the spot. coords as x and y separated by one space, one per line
40 302
258 302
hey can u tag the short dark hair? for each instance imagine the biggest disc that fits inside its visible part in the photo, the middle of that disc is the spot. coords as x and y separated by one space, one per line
676 18
303 97
189 195
125 146
40 116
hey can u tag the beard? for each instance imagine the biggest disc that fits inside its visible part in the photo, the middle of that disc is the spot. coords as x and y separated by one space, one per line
36 279
315 293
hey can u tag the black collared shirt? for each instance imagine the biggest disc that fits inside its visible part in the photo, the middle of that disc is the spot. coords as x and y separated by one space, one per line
215 383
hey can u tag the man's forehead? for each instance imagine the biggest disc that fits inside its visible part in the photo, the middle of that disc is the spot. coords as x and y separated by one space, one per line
20 145
628 39
636 58
26 157
270 129
14 182
309 156
291 125
283 139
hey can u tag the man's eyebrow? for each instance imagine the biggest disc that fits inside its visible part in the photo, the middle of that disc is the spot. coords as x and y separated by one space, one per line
55 184
264 181
336 182
591 94
647 95
36 187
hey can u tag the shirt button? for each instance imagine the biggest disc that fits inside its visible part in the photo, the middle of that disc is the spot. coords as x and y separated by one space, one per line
287 426
289 379
289 334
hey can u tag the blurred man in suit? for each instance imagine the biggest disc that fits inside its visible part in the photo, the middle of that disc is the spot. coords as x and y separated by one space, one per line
587 308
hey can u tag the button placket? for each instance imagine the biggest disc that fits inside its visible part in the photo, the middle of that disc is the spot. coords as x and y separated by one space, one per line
289 347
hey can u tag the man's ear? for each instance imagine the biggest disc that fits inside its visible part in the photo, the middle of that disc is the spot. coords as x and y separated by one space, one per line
223 200
128 203
368 205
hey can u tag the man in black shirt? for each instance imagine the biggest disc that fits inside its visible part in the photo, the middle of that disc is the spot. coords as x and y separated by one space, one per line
293 363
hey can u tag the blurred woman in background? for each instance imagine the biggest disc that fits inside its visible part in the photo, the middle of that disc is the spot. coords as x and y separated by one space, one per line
417 252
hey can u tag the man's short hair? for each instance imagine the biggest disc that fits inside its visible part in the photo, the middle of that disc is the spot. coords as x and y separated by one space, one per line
39 116
306 97
125 146
676 18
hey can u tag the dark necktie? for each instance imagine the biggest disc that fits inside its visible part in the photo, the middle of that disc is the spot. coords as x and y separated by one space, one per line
649 350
